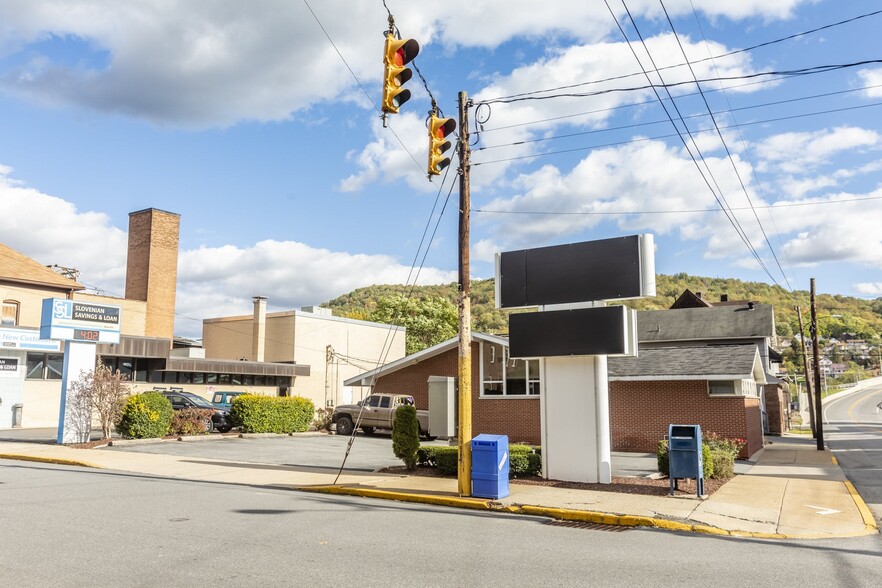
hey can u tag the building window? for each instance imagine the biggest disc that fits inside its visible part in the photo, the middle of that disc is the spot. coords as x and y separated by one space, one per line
9 316
724 388
44 366
503 376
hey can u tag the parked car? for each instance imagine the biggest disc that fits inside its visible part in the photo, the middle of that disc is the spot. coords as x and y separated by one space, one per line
377 411
220 420
224 399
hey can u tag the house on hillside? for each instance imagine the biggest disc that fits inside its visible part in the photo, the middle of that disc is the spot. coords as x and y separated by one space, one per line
707 365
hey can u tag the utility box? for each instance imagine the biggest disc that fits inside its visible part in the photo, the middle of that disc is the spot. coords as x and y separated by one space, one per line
442 407
684 455
16 415
490 466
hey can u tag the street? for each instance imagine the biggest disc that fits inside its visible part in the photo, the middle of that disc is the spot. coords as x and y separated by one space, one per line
67 526
853 431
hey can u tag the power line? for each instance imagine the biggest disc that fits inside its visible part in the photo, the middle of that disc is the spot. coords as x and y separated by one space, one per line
720 198
710 58
656 137
672 211
804 71
730 110
726 147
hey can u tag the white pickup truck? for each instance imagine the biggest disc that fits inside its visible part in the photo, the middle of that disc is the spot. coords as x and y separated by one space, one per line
377 411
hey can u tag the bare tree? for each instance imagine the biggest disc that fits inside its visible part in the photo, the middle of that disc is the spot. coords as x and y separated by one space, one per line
100 391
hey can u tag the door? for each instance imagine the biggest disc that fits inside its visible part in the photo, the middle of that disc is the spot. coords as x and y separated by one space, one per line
369 412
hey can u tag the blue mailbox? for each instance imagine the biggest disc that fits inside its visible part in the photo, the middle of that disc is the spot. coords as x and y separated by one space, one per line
490 466
684 455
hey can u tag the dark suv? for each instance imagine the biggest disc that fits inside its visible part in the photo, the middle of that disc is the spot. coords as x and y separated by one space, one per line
220 420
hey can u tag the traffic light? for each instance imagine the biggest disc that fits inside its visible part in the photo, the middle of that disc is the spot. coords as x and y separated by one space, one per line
439 128
397 54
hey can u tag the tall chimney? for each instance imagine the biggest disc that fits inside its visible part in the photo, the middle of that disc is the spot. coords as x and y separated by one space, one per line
152 267
258 330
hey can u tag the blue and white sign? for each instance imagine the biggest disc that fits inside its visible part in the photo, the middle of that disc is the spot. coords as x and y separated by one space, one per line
26 339
74 320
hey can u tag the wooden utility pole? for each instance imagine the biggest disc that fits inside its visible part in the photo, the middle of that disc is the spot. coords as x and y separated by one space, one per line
808 388
464 470
816 361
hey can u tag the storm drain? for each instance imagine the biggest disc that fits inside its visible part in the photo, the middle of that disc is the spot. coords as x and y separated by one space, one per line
588 525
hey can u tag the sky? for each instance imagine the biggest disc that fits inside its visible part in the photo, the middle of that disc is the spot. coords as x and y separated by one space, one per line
259 123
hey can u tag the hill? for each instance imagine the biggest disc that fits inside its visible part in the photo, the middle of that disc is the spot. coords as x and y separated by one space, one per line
837 314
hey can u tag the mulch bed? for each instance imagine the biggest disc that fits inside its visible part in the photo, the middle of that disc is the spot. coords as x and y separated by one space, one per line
645 486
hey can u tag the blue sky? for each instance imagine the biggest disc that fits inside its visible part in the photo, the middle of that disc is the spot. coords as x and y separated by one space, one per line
244 119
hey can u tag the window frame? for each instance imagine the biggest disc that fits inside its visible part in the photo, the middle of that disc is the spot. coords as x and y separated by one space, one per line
530 382
16 305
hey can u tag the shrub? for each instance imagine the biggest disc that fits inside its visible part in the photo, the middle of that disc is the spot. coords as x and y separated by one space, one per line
189 421
272 414
524 460
406 436
323 419
724 463
145 416
663 459
720 443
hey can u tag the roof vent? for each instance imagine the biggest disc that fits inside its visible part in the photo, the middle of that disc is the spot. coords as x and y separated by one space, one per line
750 306
724 298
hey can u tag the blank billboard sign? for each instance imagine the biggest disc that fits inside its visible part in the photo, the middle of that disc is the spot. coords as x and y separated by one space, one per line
583 331
606 269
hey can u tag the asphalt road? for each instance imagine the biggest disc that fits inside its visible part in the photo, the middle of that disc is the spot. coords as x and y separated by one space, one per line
65 526
853 431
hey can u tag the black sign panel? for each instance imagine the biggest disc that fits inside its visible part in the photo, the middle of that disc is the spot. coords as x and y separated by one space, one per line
607 269
583 331
8 364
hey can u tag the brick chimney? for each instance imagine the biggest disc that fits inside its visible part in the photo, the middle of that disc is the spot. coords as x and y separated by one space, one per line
258 329
152 267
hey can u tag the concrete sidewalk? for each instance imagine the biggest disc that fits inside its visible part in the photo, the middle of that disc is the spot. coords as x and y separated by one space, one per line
792 492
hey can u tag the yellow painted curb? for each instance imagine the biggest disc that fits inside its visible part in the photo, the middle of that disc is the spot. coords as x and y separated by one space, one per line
862 507
833 457
53 460
588 516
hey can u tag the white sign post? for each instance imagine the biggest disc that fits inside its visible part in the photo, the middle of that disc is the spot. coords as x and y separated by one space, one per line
81 325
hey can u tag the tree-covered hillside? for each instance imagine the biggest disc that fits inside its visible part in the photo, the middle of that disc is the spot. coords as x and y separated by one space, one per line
837 314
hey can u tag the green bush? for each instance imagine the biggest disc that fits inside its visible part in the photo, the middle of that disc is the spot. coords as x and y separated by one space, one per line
524 460
144 416
272 414
189 421
724 463
663 460
406 436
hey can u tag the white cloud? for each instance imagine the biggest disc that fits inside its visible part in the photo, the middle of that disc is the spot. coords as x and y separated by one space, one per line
211 281
213 64
869 288
871 77
796 153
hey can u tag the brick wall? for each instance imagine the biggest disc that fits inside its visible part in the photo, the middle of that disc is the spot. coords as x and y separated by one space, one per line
516 417
777 405
152 267
640 413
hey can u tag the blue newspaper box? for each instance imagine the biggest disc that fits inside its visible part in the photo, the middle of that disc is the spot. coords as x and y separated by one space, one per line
684 455
490 466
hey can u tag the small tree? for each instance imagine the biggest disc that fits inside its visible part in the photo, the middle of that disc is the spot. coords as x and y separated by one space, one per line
100 391
406 436
78 407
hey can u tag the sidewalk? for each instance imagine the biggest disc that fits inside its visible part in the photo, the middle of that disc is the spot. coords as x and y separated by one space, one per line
792 492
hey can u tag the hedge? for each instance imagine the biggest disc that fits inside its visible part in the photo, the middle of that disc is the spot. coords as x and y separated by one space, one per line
189 421
406 436
524 460
272 414
144 416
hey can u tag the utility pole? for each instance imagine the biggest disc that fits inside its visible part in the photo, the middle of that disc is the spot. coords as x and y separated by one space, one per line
464 469
808 388
819 415
329 353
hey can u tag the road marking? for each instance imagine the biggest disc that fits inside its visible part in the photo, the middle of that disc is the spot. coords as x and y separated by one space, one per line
823 511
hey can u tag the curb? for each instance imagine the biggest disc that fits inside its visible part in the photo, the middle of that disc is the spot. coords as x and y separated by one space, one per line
862 507
572 515
53 460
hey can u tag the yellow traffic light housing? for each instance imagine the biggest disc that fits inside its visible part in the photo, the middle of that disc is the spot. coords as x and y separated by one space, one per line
439 128
397 54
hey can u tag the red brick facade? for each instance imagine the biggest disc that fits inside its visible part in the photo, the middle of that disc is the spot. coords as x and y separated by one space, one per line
640 412
777 407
